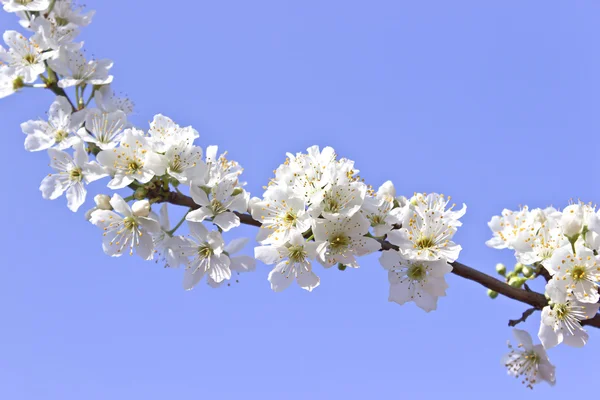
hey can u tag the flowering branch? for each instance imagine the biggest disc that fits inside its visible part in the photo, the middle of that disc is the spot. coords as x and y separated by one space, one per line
315 210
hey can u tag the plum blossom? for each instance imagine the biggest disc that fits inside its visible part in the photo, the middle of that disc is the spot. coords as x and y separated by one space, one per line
58 131
122 229
72 174
529 361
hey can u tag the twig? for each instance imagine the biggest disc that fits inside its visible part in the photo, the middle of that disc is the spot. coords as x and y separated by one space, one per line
526 314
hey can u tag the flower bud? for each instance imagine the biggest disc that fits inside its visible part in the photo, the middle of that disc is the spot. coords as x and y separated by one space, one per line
510 274
102 202
518 268
527 272
517 281
492 294
572 220
341 267
237 191
500 269
141 208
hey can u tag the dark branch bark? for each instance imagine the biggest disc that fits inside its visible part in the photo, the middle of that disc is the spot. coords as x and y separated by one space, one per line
534 299
526 314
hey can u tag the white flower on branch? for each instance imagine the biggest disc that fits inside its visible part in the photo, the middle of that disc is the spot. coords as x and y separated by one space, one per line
71 176
133 160
58 131
293 262
164 134
104 129
415 280
426 236
126 230
577 274
51 36
219 203
343 240
75 70
208 254
561 321
25 57
380 211
66 13
108 101
529 362
281 215
26 5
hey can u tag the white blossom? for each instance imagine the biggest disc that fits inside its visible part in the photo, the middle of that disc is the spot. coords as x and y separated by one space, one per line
75 70
104 129
415 280
343 240
66 13
132 160
26 5
125 230
380 211
561 321
577 274
426 237
205 251
72 174
292 261
58 131
281 215
25 57
220 203
529 362
107 101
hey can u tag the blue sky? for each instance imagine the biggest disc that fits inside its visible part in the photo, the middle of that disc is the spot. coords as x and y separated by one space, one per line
494 103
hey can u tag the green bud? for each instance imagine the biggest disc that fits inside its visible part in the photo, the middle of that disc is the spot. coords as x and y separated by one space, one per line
511 274
342 267
517 281
140 193
18 83
501 269
236 191
527 272
518 268
492 294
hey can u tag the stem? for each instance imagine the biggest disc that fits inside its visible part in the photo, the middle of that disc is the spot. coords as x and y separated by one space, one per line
51 7
172 231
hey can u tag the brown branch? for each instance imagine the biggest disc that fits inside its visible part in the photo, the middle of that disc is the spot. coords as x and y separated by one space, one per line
526 314
534 299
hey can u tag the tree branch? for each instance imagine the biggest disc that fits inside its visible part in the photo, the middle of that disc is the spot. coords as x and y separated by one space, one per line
526 314
534 299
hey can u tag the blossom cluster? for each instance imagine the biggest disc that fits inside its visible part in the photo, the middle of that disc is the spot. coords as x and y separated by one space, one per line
563 246
151 162
317 208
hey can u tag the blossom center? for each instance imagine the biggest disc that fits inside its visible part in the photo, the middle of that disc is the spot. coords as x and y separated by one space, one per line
297 254
130 223
579 273
289 219
332 205
133 167
75 174
205 251
416 272
339 242
60 135
425 242
561 311
376 220
60 21
217 206
29 58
